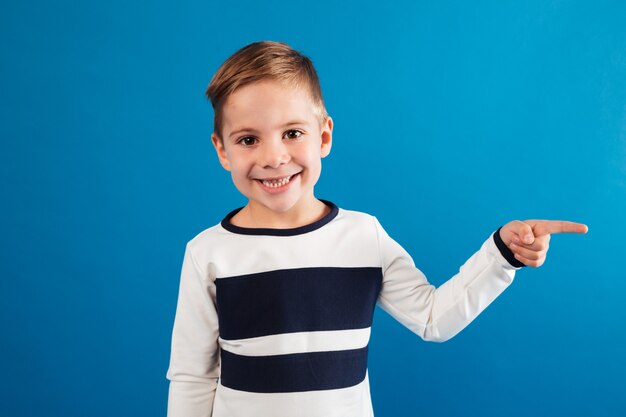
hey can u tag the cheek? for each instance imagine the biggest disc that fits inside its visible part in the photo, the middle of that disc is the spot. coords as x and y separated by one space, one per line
239 175
314 168
239 165
309 156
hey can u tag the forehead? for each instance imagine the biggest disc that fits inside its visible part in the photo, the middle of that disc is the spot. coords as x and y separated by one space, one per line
265 104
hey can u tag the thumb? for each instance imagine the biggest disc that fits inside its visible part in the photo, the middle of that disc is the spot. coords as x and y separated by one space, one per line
517 231
525 232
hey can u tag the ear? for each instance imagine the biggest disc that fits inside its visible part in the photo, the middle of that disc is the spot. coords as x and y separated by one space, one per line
327 137
221 151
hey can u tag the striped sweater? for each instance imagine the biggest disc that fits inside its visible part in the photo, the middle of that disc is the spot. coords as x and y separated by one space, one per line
276 322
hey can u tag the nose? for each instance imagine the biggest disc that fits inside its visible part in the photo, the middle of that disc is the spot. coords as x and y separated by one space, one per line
274 154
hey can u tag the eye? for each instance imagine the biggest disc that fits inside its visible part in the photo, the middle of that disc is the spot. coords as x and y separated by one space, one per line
247 141
293 134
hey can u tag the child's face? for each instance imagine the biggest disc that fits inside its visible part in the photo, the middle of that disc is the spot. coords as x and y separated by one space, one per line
273 144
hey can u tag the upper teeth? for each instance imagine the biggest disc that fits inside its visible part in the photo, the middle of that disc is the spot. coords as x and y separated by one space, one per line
276 183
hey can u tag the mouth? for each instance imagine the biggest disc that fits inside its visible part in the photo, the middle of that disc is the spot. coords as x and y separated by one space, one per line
277 182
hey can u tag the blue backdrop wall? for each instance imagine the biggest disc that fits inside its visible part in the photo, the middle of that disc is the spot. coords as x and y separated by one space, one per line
451 118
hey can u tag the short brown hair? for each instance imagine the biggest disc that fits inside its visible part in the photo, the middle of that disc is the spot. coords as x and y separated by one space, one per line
264 60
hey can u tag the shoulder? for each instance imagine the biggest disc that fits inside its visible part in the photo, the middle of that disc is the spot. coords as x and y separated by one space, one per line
207 235
357 219
366 224
215 246
211 237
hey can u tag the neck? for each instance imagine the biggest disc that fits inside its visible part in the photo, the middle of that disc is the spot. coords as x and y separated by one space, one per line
254 216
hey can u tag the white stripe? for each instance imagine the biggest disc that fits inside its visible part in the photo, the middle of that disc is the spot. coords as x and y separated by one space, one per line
282 344
346 242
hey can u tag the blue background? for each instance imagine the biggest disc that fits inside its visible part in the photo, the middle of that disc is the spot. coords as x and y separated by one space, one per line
451 119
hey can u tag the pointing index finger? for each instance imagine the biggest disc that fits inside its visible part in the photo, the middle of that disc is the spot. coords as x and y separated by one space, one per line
545 227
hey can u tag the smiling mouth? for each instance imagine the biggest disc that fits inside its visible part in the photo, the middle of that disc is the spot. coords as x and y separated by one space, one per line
277 182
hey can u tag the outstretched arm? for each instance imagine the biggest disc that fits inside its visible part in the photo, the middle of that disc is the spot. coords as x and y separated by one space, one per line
437 314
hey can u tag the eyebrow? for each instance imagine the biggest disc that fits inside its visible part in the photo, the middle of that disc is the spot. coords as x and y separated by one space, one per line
249 129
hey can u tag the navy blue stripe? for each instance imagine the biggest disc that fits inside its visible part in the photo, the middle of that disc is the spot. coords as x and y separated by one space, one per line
297 300
294 372
226 224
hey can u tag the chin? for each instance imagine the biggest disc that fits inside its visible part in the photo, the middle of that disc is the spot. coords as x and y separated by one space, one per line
280 207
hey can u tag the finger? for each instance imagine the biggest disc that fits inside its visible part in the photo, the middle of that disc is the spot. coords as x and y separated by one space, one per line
541 243
534 263
545 227
528 253
524 231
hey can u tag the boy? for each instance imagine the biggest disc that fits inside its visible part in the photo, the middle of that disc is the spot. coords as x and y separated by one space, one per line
276 302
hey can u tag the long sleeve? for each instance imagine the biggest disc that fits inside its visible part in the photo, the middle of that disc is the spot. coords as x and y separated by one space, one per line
438 314
194 362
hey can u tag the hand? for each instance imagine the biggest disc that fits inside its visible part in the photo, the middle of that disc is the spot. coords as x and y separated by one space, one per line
528 240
